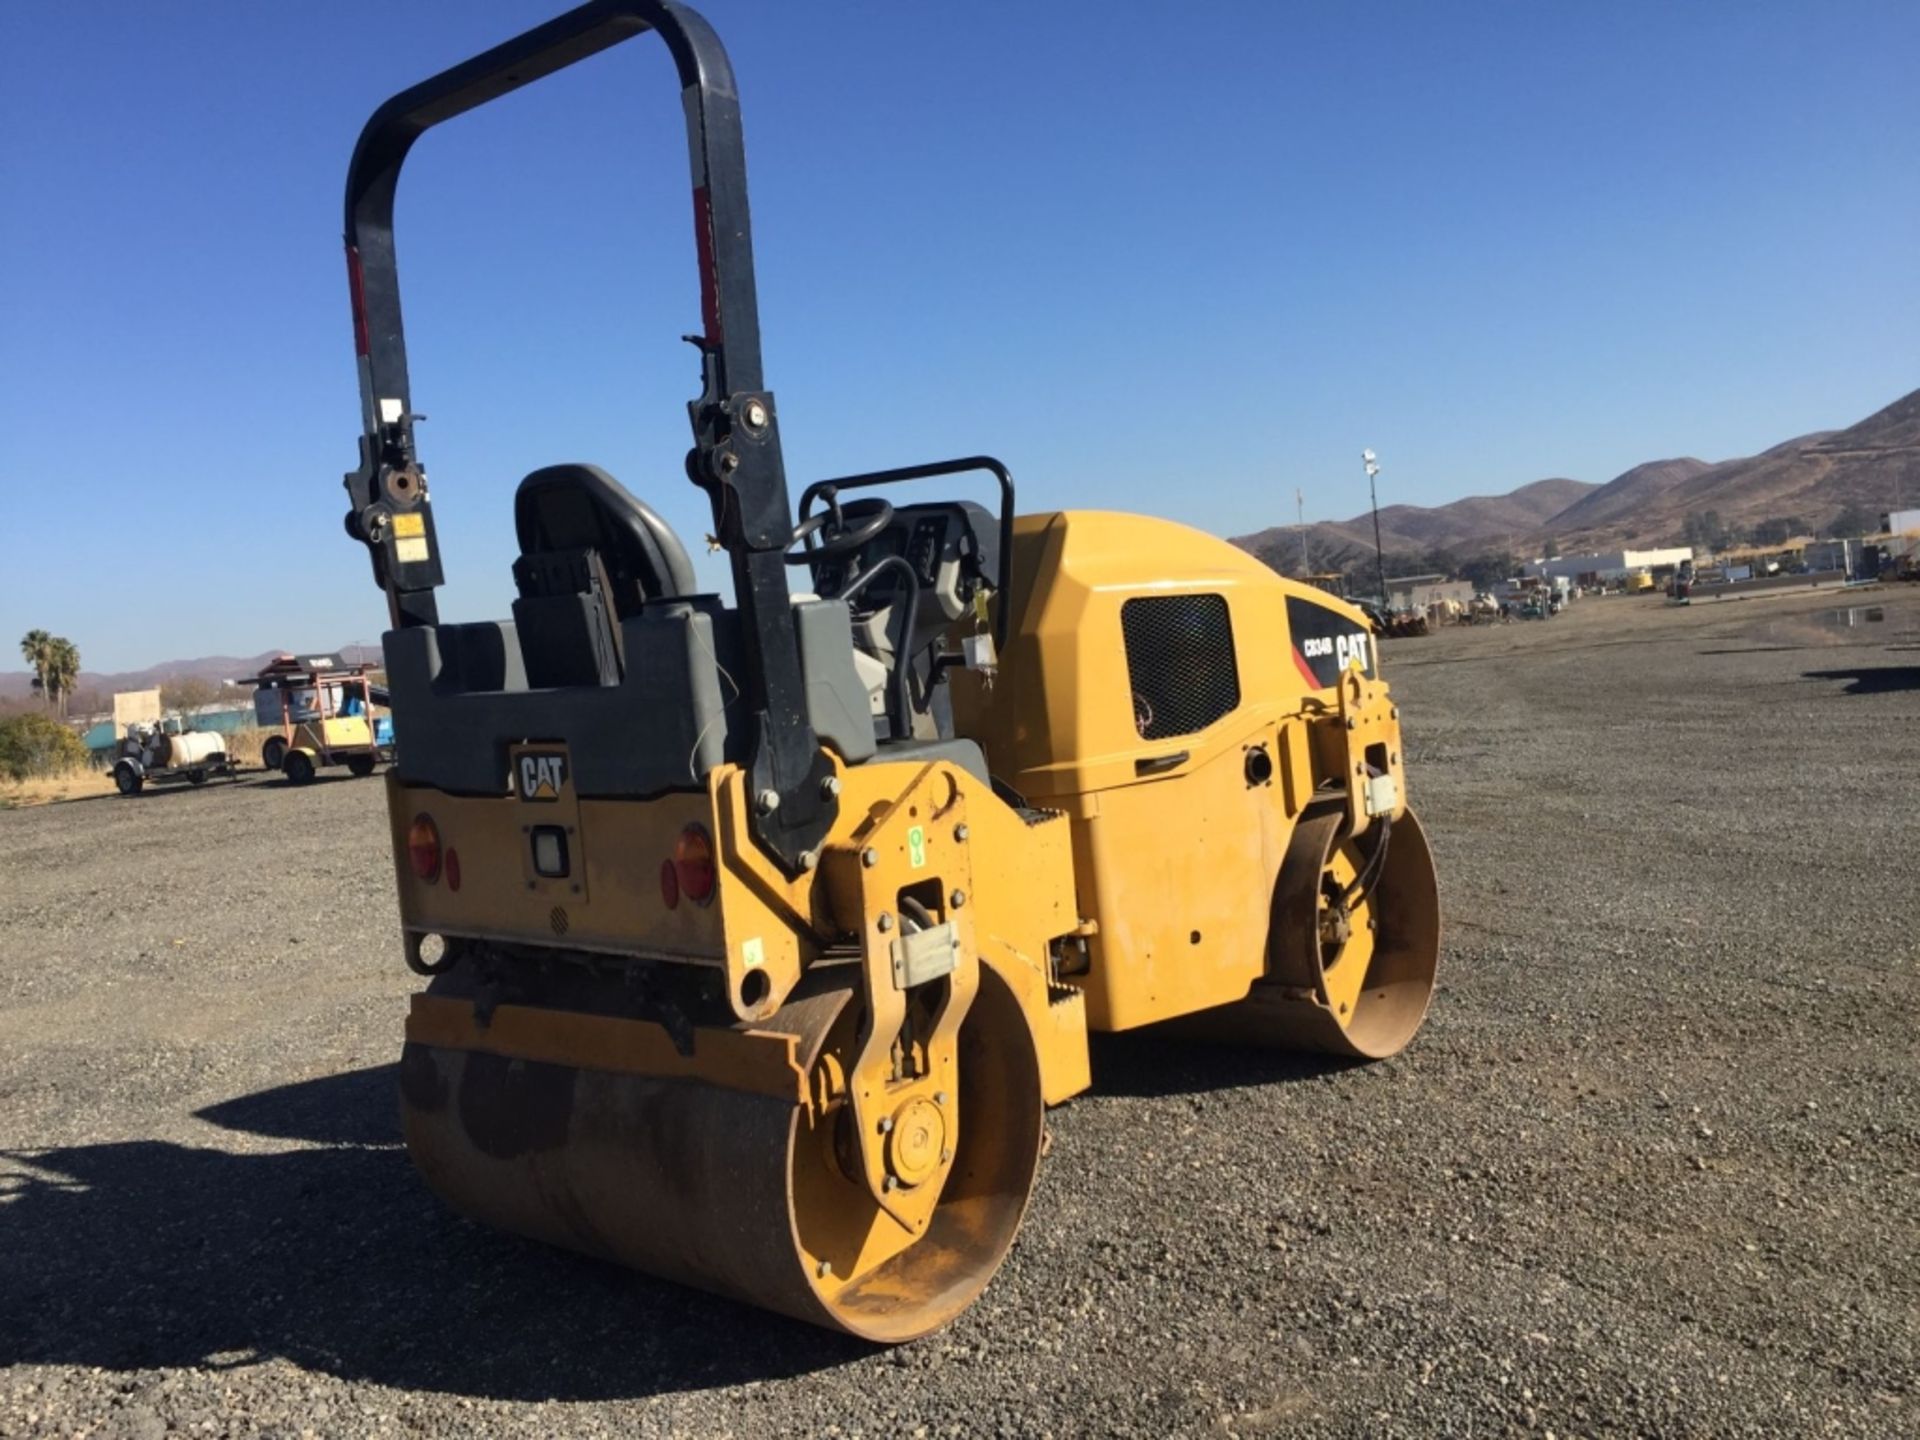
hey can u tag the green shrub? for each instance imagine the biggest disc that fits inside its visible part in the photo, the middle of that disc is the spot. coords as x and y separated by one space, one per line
35 746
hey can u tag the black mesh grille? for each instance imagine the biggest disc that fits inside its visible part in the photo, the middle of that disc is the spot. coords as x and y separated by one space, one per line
1180 663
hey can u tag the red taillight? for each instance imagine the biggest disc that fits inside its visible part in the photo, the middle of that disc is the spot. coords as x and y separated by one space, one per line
669 885
453 868
423 848
693 864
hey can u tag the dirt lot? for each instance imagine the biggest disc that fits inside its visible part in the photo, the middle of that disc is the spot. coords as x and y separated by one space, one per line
1653 1167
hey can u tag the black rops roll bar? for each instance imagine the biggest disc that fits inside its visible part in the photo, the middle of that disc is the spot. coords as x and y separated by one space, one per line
736 451
923 472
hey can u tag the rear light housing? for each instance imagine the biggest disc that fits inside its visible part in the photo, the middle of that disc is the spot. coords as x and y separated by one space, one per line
550 858
423 848
693 865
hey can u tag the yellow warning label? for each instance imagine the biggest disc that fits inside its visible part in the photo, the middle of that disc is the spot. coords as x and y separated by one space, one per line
409 523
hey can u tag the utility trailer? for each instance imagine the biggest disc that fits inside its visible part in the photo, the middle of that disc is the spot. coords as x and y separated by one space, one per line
150 755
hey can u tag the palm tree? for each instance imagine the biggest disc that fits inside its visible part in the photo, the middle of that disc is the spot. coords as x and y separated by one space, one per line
63 669
36 647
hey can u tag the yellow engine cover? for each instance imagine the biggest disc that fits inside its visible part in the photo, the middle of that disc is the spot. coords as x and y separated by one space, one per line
1183 704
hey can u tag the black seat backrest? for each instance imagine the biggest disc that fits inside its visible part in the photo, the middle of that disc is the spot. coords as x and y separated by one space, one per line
579 507
591 555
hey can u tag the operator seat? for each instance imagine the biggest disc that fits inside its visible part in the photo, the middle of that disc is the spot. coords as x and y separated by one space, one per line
591 554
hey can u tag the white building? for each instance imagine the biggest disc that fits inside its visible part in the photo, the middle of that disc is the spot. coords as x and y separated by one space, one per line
1417 592
1609 565
1900 522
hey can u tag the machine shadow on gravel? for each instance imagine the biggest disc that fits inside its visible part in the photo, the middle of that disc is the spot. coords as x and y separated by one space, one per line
148 1254
357 1107
1159 1061
1872 679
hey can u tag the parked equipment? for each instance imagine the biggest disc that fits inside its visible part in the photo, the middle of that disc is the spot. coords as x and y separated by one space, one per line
324 711
148 754
1680 587
761 935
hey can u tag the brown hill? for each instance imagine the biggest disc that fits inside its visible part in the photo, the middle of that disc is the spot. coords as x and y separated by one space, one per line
1873 466
1617 502
1479 516
1866 469
1415 529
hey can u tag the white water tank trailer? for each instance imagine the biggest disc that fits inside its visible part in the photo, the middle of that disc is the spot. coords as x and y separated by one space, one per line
148 754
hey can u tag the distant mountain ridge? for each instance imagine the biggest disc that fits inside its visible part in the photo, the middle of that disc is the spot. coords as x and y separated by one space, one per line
1624 496
1874 465
1409 528
18 684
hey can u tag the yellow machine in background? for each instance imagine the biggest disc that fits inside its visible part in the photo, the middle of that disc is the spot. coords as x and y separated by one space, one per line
321 712
761 933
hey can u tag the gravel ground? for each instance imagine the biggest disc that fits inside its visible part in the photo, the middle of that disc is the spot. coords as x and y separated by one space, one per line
1653 1167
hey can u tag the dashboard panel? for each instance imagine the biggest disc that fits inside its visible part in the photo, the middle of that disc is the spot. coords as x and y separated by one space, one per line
950 546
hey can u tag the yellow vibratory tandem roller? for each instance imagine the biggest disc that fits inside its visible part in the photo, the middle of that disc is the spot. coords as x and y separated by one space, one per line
762 933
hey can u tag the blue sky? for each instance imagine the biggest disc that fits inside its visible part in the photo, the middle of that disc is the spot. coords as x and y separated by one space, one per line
1175 259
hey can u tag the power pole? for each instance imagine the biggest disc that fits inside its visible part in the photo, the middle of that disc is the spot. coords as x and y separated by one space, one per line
1300 516
1379 557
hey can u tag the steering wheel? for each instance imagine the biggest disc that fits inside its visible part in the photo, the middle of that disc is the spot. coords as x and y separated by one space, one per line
838 530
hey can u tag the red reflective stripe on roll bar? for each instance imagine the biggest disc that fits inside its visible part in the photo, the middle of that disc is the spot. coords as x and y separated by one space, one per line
709 284
358 289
